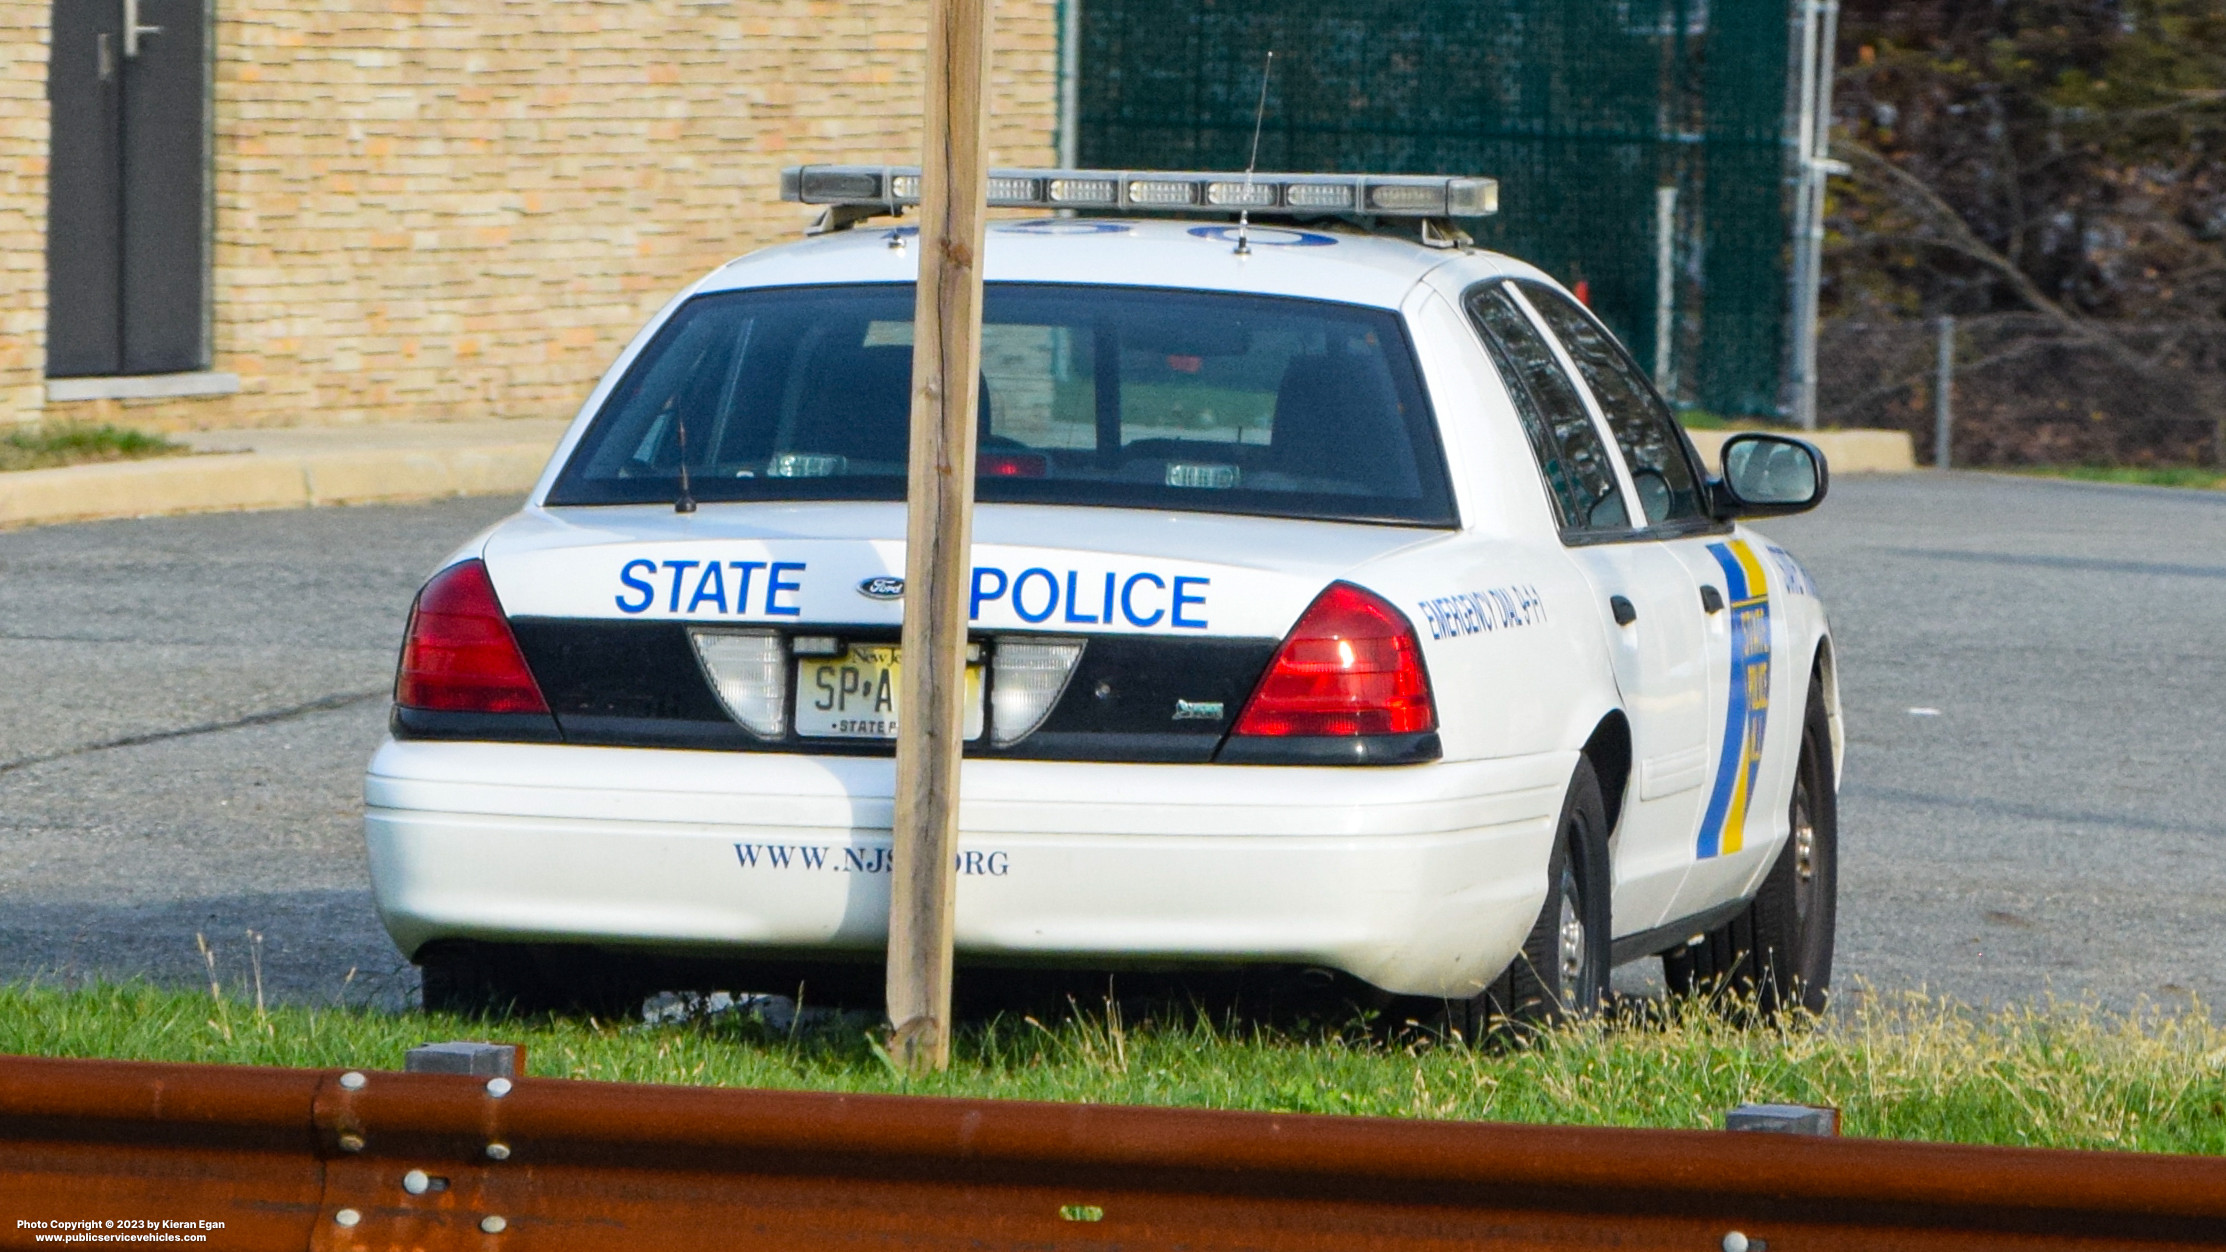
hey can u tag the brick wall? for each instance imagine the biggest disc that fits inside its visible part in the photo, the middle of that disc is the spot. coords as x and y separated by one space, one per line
449 209
23 137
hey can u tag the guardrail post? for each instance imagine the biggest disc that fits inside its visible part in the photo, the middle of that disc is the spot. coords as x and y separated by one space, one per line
1943 393
946 361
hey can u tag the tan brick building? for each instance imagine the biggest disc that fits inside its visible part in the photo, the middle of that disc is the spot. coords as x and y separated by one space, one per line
420 210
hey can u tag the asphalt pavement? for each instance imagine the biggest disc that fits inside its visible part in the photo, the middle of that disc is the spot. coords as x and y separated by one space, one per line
2034 802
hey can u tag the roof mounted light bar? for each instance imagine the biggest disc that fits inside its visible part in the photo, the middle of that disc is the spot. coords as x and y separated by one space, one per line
874 190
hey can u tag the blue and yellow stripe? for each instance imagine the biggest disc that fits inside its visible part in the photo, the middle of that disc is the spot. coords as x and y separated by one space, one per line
1723 829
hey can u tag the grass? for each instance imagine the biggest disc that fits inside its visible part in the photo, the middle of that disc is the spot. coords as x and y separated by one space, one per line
2137 475
79 443
1910 1068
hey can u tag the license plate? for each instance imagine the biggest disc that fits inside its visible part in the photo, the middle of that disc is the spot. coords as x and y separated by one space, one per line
854 696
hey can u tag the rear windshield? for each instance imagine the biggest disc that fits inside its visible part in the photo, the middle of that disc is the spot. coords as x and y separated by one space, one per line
1128 397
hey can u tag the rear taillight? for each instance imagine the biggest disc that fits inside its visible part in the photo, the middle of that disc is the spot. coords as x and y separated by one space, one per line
459 655
1352 666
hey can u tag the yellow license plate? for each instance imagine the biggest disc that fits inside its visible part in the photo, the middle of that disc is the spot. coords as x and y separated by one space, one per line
855 695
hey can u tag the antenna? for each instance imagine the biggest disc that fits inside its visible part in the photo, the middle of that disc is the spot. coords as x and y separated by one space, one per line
1259 116
687 501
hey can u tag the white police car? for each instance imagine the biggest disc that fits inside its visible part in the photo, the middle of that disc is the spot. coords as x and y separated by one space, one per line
1343 599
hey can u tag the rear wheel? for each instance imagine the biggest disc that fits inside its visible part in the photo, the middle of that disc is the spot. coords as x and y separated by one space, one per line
1777 953
1562 971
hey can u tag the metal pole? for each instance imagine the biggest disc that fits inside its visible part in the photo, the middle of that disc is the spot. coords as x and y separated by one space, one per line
946 364
1804 262
1812 204
1070 84
1665 286
1943 392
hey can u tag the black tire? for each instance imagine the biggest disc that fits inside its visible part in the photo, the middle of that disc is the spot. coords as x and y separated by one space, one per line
505 980
1777 953
1562 971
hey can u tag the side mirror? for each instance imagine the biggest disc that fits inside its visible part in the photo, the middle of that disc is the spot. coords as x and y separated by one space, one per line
1767 476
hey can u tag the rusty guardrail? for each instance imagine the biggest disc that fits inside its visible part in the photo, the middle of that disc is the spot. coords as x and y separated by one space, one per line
325 1159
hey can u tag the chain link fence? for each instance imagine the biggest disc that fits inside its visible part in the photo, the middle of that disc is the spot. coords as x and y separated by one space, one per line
2034 390
1585 110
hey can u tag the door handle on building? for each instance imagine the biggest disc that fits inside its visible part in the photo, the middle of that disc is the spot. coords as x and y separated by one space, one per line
104 56
133 30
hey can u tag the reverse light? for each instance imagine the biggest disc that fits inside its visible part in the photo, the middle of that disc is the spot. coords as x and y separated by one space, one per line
458 655
1027 678
1352 666
749 670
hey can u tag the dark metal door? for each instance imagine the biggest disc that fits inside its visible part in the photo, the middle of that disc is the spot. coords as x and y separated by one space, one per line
127 225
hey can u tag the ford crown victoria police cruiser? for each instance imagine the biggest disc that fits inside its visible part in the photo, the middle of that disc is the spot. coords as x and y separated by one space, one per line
1343 597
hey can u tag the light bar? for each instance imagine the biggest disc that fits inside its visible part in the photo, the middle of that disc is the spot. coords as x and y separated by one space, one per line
892 188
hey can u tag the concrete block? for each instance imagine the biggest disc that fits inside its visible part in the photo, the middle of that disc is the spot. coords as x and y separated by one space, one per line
481 1060
1784 1119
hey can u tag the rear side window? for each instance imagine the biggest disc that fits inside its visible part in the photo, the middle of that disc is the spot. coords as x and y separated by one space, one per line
1570 453
1115 396
1644 427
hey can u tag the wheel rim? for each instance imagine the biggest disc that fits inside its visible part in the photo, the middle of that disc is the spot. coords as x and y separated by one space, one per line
1572 942
1804 848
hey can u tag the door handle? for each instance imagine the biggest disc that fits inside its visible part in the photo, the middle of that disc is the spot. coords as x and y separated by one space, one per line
133 30
1711 600
104 57
1625 614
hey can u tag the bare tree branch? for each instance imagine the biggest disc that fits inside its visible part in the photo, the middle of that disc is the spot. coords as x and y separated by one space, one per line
1956 234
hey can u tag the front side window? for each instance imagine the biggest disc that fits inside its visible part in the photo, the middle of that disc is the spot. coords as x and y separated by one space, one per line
1570 453
1115 396
1644 427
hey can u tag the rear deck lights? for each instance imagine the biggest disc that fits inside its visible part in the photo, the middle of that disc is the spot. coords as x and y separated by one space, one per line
891 188
1352 666
458 655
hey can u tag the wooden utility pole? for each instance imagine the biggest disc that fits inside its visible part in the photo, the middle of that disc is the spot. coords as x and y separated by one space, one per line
939 524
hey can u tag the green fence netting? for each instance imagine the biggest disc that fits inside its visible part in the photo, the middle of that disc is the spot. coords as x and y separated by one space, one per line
1581 108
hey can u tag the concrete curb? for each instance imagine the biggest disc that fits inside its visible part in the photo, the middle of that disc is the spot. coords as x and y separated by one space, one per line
262 480
1845 451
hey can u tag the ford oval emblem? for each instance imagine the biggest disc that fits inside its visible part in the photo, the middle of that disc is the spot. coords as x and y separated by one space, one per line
882 587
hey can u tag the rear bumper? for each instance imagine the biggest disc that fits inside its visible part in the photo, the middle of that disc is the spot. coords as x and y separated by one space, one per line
1420 880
